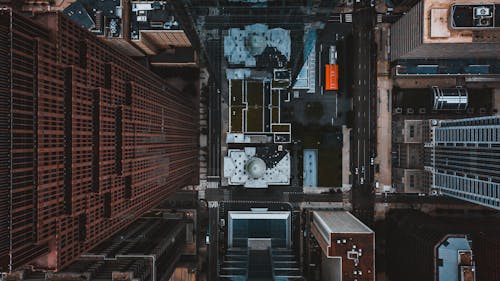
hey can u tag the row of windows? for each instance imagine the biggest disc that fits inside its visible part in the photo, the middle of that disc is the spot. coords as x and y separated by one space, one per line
489 120
469 187
468 134
69 41
473 198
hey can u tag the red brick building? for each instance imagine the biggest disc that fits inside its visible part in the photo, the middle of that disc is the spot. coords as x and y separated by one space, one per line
89 140
347 244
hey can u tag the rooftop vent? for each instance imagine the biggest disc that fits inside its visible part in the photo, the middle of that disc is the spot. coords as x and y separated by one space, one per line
480 12
473 16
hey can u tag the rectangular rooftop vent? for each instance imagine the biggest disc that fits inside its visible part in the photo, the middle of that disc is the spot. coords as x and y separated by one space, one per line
482 11
473 16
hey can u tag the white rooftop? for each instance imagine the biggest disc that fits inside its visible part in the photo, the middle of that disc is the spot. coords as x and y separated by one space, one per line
339 222
241 167
241 46
439 23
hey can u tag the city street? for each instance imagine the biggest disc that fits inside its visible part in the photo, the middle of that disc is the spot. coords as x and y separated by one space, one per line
363 91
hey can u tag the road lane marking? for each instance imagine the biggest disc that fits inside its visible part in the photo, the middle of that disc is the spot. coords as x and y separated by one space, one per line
358 152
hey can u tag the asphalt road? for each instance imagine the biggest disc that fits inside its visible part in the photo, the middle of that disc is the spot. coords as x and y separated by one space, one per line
214 133
363 92
213 246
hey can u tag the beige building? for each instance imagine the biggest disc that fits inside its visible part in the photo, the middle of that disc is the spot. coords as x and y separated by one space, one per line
447 29
408 174
411 180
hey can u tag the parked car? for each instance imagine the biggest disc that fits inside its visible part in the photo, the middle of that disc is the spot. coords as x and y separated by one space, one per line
356 171
333 54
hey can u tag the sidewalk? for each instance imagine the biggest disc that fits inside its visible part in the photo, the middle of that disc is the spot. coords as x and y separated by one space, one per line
346 155
496 100
384 111
384 133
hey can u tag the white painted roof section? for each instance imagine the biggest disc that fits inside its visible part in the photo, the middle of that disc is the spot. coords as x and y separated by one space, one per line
236 138
241 46
310 168
235 170
307 75
249 1
259 215
146 6
243 138
439 23
338 222
238 73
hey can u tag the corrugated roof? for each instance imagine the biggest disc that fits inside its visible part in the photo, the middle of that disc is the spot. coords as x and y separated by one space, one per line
339 222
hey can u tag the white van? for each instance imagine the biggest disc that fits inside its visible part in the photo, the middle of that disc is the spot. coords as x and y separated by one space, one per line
333 54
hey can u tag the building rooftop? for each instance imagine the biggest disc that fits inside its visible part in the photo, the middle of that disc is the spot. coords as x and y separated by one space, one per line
438 28
103 17
454 258
77 13
339 222
310 168
257 167
242 46
347 244
255 109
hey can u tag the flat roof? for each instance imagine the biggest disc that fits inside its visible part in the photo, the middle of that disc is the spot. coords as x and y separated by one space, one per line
310 168
449 252
259 215
437 26
339 222
255 108
439 23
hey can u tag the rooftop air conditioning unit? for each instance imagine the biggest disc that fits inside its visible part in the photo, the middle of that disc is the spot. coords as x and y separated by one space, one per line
480 12
484 22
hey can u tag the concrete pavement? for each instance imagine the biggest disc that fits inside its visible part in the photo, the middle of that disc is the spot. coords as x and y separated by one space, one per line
346 148
496 100
383 109
384 133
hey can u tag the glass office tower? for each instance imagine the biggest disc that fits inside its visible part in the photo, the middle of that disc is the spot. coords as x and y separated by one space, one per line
464 158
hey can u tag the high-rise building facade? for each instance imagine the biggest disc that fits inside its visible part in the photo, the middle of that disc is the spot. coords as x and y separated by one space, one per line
445 29
89 140
464 159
